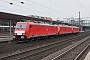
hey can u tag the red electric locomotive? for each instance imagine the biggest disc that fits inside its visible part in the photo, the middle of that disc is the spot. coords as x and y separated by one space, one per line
27 30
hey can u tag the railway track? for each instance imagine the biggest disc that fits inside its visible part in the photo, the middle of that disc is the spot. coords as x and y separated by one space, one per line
9 48
39 49
79 56
75 51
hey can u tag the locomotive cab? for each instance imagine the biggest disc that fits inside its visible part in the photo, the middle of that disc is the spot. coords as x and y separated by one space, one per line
21 31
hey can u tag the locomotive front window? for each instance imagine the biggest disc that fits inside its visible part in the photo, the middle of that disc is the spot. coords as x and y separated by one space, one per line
20 25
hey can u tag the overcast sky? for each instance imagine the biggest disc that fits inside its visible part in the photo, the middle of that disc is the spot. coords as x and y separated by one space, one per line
51 8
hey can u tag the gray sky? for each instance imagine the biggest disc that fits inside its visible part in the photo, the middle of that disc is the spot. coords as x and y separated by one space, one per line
50 8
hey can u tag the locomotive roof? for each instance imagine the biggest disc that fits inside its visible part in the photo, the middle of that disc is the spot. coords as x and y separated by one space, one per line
26 22
36 23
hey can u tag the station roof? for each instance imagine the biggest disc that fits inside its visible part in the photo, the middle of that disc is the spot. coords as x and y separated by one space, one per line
10 16
16 17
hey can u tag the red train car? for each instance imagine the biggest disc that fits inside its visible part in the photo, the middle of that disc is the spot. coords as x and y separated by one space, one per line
75 29
64 29
27 30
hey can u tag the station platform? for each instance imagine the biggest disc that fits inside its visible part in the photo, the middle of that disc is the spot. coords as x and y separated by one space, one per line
87 56
5 38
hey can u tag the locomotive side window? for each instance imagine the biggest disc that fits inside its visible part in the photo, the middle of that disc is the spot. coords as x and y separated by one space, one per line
30 26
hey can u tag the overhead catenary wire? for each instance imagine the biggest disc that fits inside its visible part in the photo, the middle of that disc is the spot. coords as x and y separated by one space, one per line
26 7
56 11
41 6
23 7
30 5
82 6
38 5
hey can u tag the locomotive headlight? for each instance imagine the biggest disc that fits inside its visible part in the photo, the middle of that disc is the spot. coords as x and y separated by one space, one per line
22 37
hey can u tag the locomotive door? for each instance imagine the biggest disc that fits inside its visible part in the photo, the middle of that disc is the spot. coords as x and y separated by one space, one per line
31 29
